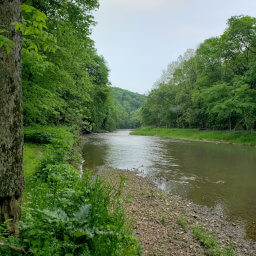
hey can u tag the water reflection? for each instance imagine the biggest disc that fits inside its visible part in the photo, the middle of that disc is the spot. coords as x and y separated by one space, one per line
207 173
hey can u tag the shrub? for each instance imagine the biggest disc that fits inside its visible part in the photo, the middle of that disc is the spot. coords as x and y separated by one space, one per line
47 134
69 214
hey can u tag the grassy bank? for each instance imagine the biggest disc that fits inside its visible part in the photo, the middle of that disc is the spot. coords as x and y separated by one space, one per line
32 155
243 137
64 213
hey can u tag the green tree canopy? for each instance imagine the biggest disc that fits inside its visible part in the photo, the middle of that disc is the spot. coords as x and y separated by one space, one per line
214 87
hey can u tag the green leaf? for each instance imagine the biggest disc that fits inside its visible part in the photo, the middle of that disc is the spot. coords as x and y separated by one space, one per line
17 26
78 234
83 213
3 31
6 43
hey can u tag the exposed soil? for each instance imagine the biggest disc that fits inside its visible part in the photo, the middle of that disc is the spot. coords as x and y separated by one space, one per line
155 216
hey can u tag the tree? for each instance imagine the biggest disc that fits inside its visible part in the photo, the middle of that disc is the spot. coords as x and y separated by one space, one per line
11 135
213 87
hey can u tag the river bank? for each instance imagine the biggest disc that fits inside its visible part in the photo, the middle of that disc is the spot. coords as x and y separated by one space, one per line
71 214
238 137
164 224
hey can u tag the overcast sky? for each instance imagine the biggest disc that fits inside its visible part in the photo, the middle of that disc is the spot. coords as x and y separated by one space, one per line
139 38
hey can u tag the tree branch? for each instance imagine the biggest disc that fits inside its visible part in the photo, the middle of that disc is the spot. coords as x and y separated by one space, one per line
13 247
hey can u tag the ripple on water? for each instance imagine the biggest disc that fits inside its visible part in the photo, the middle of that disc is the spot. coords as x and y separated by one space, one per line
206 173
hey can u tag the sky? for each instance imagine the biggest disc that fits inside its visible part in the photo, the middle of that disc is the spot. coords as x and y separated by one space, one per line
139 38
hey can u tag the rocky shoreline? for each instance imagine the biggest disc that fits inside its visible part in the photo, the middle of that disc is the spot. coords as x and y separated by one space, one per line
155 216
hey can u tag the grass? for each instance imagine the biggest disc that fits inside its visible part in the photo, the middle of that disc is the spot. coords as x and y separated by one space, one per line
32 156
33 153
242 137
183 223
208 241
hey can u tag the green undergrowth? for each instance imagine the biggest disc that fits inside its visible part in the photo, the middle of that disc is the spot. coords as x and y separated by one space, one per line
207 240
243 137
32 155
47 134
66 212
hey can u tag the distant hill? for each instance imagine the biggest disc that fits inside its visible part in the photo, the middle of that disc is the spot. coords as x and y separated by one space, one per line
128 104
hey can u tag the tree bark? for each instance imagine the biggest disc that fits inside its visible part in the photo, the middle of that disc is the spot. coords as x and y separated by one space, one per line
11 134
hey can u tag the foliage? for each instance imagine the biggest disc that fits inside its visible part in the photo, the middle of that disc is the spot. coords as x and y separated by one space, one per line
66 213
213 87
69 86
76 12
5 42
47 134
33 29
127 105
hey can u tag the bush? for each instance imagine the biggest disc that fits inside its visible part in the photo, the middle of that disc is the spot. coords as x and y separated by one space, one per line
75 214
47 134
67 213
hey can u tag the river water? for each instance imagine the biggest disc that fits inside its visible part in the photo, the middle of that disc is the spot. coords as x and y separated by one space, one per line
222 176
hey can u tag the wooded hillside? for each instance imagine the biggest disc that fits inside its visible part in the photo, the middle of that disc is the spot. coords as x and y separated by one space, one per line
128 104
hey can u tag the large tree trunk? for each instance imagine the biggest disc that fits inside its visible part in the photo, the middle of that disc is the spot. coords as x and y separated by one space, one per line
11 135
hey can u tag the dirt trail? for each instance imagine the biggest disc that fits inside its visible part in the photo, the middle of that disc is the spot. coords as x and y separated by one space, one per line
155 216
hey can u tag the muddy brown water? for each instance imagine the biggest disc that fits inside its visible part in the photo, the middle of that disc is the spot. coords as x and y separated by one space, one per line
222 176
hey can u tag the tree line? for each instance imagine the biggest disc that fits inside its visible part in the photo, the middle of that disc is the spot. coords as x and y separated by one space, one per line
69 86
212 87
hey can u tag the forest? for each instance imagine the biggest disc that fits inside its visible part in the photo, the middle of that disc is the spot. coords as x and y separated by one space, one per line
212 87
70 86
128 104
65 81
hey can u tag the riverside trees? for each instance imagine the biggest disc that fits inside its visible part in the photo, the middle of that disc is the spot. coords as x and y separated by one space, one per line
214 88
69 86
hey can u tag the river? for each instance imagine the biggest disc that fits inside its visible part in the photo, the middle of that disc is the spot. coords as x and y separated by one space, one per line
221 176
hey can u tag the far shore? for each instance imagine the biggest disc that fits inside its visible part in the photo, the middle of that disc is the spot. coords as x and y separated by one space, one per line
224 136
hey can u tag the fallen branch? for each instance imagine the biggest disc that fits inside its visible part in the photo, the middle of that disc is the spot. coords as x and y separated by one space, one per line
13 247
